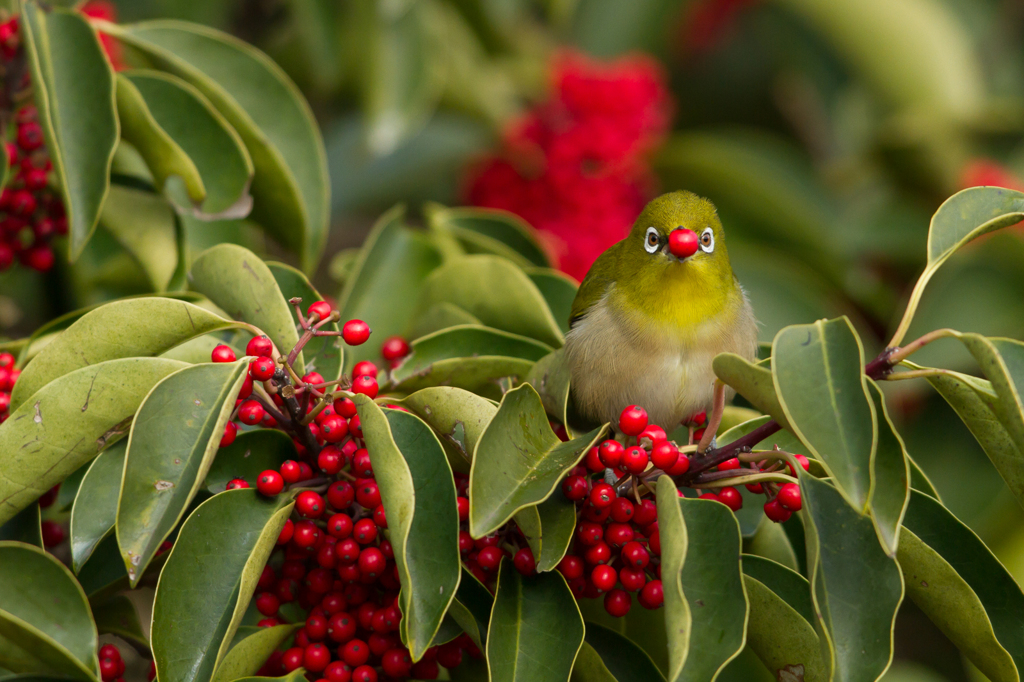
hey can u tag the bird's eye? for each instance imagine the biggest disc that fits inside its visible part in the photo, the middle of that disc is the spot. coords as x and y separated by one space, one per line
652 240
707 240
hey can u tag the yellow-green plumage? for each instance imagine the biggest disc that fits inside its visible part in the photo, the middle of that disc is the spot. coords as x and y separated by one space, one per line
645 326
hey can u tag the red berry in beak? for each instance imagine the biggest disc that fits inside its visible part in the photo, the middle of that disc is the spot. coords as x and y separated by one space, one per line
682 243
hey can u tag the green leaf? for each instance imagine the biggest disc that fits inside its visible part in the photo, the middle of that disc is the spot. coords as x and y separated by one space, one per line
558 290
418 493
121 329
496 292
323 354
45 622
25 526
963 217
68 422
118 616
173 440
548 528
438 317
780 631
890 474
855 602
471 608
146 225
74 92
247 656
386 280
955 579
210 143
252 453
491 231
607 656
209 578
705 598
819 378
290 188
753 382
95 509
194 351
457 416
519 461
237 280
536 629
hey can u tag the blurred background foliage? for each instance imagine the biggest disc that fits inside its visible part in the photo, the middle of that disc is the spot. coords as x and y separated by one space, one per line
826 131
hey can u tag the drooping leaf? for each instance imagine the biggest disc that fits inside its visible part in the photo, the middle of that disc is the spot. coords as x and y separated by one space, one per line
173 440
74 93
955 579
751 381
471 608
608 656
147 227
890 476
819 378
209 578
855 602
536 629
68 422
104 574
45 622
252 453
119 616
496 292
212 145
519 461
457 416
290 187
705 599
418 494
484 230
385 281
246 657
438 317
239 282
548 528
136 327
25 526
323 354
95 509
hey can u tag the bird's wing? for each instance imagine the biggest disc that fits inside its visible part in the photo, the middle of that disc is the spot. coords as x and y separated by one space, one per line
594 285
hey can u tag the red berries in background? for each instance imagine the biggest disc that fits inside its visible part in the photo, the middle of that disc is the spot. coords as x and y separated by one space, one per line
633 420
355 332
394 348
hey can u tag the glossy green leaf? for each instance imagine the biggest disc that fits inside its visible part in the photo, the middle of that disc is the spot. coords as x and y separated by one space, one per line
548 528
438 317
753 382
780 630
95 509
323 354
290 188
496 292
484 230
237 280
471 608
418 493
819 378
558 290
45 622
487 376
104 574
890 474
705 600
247 656
536 629
771 542
209 579
519 461
955 579
69 422
458 417
468 344
74 94
173 440
118 616
194 351
855 602
147 227
252 453
164 157
136 327
386 280
607 656
297 675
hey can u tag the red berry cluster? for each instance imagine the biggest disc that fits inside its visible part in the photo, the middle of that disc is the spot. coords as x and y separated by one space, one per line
574 167
111 665
8 376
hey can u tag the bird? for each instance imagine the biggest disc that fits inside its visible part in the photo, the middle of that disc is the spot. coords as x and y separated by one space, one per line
652 313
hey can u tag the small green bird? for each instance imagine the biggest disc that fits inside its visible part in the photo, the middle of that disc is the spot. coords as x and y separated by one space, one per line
652 313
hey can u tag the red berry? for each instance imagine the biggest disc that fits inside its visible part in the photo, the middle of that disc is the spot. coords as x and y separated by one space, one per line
709 496
355 332
489 558
355 652
53 533
589 533
287 532
617 603
571 567
108 669
316 627
334 429
755 488
259 346
361 464
603 577
341 494
635 556
316 657
109 651
236 484
291 472
574 488
652 595
267 604
394 348
611 452
380 517
39 258
364 673
222 353
593 460
683 243
631 579
364 531
463 504
367 493
731 498
246 389
306 535
230 432
804 462
633 420
250 412
600 553
450 655
524 561
789 497
363 369
339 526
330 460
262 368
622 510
365 385
321 308
664 455
30 136
396 662
635 460
776 512
646 513
654 433
310 504
341 627
602 495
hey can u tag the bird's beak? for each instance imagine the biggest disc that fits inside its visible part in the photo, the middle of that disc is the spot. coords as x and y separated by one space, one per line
682 243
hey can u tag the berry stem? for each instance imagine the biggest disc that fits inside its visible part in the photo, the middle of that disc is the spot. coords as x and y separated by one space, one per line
270 409
707 482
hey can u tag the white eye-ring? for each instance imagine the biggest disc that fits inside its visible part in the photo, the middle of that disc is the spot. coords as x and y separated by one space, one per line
652 240
707 240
